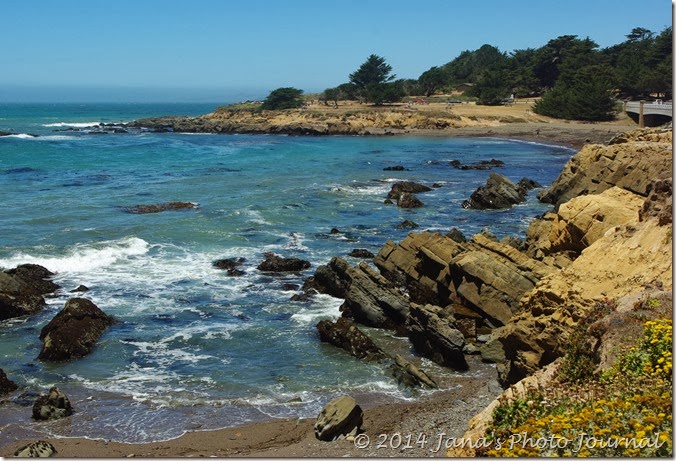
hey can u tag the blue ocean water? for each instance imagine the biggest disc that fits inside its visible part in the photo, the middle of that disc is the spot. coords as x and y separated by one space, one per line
194 346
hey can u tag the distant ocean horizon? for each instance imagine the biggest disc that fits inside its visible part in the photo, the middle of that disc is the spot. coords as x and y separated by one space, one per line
195 348
127 94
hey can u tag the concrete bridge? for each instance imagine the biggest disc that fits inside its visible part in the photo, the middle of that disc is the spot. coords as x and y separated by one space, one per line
649 113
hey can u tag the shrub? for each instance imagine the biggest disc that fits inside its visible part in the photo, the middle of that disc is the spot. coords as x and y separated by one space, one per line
626 413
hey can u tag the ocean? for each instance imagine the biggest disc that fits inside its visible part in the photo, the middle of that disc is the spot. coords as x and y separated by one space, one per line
194 348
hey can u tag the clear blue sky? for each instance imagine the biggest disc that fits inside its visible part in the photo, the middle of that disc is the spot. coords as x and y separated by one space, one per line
213 50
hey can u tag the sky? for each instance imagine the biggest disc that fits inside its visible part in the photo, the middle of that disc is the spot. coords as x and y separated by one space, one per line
229 50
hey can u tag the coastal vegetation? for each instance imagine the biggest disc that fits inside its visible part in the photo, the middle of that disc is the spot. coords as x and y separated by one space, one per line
572 76
625 411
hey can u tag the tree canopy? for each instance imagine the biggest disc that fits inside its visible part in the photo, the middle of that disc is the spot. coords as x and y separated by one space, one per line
562 72
283 98
372 81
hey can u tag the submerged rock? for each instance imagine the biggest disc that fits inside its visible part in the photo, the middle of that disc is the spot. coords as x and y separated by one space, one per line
339 418
407 200
160 207
230 265
482 165
36 277
73 332
54 405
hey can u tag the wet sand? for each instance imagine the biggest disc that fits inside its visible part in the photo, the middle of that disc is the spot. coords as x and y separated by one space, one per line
408 429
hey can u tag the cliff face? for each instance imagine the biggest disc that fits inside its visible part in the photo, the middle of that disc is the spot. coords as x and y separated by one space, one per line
630 161
607 239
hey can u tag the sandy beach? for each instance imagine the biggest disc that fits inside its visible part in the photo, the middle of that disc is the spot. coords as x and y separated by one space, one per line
410 429
516 121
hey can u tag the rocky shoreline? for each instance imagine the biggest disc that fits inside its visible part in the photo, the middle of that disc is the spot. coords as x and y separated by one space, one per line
464 303
384 122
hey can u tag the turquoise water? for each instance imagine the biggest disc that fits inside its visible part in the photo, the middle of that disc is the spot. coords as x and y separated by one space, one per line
194 346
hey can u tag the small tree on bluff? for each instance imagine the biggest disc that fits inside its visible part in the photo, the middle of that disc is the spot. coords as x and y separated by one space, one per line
283 98
372 80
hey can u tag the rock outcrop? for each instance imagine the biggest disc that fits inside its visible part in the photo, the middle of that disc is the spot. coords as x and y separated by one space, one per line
276 263
580 222
22 290
486 276
432 334
599 167
340 417
6 384
302 122
640 254
372 300
343 333
499 192
73 332
54 405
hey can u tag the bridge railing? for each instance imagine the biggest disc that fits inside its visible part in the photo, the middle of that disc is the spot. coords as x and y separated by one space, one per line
634 106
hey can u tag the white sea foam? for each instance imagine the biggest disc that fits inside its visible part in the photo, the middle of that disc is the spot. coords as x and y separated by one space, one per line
19 136
71 124
84 258
325 306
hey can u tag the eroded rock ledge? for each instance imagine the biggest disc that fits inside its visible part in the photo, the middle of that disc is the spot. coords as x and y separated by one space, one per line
516 304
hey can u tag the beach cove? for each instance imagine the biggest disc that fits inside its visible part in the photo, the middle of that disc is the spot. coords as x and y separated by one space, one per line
446 411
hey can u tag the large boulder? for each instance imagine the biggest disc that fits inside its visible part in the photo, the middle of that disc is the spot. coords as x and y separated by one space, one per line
36 277
406 187
430 329
54 405
597 167
344 333
73 332
339 418
39 449
6 384
372 300
22 290
499 192
276 263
